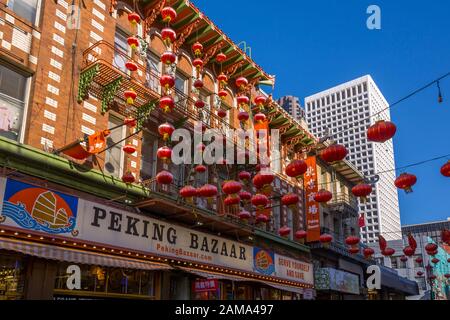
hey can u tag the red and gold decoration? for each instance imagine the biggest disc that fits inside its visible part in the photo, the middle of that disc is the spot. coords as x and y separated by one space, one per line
325 239
284 231
133 42
166 130
129 149
128 177
208 191
245 196
323 196
164 153
188 193
381 131
362 191
200 168
164 177
168 58
405 181
368 253
168 14
244 216
445 169
296 169
334 153
166 103
134 18
300 235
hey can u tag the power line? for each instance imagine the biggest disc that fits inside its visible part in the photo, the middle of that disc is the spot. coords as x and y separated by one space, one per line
435 81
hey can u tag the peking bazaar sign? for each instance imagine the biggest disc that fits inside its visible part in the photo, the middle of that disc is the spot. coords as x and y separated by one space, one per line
53 213
312 208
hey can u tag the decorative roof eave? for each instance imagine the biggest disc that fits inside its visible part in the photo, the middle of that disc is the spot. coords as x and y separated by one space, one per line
190 12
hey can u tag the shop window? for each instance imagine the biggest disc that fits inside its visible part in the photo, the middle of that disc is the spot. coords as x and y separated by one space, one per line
394 264
108 281
12 102
12 277
121 50
114 155
26 9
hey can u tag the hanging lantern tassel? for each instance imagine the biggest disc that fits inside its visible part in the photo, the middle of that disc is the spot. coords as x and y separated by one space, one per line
440 99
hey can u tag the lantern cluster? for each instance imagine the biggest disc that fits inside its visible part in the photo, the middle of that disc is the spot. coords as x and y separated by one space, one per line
168 59
353 243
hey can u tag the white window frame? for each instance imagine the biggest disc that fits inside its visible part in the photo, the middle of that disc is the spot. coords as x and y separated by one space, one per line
37 19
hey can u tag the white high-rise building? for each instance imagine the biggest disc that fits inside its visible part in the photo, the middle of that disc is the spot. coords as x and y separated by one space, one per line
347 111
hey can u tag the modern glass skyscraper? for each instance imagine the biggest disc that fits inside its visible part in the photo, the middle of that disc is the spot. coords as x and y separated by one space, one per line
346 111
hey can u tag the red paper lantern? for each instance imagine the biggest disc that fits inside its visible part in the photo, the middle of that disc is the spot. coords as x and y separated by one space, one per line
290 199
431 247
445 236
167 81
244 215
241 83
134 18
166 130
435 260
221 113
207 191
168 14
231 201
168 58
263 179
130 122
244 176
164 153
301 235
200 168
325 238
242 100
262 218
419 260
432 277
260 201
133 42
243 116
445 169
323 196
352 240
199 104
381 131
222 78
221 57
231 187
388 252
353 250
368 253
334 153
403 258
447 275
166 103
405 181
259 117
130 96
197 48
198 63
223 94
260 100
296 169
188 193
284 231
128 177
408 251
419 273
164 177
198 84
131 66
245 196
168 35
129 149
362 190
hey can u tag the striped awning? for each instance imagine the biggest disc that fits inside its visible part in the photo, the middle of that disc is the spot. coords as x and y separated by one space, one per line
77 256
220 276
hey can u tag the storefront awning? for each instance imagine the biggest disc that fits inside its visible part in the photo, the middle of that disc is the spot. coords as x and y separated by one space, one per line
219 276
77 256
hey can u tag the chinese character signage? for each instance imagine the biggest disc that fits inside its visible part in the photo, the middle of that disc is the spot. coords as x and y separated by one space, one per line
312 208
206 285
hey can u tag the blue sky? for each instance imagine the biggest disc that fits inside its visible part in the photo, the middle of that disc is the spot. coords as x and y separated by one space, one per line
313 45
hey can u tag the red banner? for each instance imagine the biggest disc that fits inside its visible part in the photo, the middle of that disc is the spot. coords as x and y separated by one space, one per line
362 220
312 208
206 285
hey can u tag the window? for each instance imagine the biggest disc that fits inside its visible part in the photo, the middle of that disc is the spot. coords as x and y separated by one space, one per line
12 102
121 50
181 86
27 9
394 264
153 72
148 156
114 155
421 283
12 276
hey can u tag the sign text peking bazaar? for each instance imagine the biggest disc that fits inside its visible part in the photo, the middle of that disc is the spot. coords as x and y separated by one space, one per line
41 210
